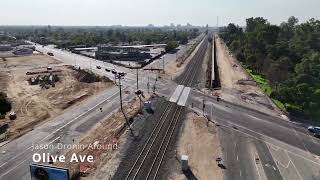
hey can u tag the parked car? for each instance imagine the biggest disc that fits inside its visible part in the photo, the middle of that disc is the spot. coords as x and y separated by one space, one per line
49 68
50 53
98 67
108 70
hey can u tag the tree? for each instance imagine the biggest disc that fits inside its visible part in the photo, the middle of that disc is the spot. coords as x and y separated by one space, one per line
171 45
288 55
5 105
254 24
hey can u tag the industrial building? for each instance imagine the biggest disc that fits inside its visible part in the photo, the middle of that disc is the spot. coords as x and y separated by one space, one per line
123 53
8 50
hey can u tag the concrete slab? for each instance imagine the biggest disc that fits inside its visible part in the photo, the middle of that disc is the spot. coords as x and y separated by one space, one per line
176 94
184 96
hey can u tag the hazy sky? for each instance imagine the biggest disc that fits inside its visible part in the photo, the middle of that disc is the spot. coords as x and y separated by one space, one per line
158 12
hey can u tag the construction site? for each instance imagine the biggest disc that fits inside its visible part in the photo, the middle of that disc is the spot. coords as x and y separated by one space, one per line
40 89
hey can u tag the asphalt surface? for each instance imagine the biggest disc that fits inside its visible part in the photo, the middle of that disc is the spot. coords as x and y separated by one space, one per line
263 131
16 156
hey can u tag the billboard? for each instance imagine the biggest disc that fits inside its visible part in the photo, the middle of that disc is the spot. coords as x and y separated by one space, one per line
45 172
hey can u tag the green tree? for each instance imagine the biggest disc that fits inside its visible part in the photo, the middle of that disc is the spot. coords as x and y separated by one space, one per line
5 105
171 45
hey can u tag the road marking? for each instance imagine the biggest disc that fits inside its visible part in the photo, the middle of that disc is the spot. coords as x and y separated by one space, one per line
12 168
240 173
254 161
26 159
294 166
184 96
237 157
280 142
63 126
304 145
284 166
176 94
3 164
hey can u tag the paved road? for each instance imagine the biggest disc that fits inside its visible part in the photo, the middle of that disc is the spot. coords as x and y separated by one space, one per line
268 134
16 156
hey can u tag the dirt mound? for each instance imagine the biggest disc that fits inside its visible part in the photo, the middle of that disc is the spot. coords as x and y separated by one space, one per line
89 77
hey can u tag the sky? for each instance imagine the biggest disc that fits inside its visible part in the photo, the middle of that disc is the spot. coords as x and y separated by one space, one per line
157 12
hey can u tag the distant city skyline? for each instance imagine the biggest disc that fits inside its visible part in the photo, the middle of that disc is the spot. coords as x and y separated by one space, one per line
157 13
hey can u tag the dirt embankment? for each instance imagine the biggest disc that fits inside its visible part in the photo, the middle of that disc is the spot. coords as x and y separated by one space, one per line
236 85
200 142
34 104
230 71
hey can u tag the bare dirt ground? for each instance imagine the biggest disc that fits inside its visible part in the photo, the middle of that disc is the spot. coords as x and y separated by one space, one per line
235 81
175 68
27 61
110 133
200 142
34 105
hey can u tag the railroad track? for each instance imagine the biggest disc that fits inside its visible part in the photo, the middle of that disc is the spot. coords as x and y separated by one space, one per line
150 158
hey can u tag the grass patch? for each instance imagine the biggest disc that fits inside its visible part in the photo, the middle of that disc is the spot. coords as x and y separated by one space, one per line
279 104
265 87
261 81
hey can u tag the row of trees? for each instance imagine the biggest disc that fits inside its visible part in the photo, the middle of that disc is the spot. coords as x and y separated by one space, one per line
90 36
287 55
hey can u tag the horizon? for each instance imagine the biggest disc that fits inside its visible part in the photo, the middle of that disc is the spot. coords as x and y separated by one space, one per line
143 12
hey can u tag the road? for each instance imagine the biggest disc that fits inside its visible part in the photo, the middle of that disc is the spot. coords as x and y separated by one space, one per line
16 156
275 140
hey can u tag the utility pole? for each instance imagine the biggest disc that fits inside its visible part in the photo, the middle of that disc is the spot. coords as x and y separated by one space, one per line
75 61
137 79
139 93
163 64
121 76
218 23
154 85
203 107
148 84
